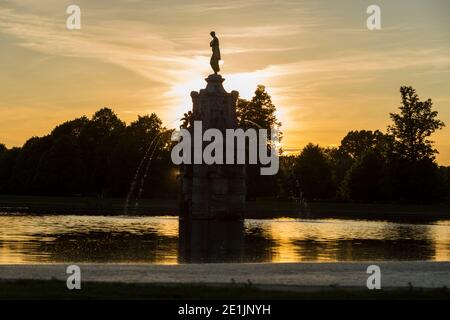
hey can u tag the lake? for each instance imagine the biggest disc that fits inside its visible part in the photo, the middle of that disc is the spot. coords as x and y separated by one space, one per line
136 239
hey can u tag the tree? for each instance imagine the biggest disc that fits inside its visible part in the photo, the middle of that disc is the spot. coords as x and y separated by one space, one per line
25 164
286 180
356 143
412 127
72 128
97 156
258 113
2 148
7 162
97 141
340 162
186 120
349 165
414 181
143 145
61 169
313 173
445 174
364 181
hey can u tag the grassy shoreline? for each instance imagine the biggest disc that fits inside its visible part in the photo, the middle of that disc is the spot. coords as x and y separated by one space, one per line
262 209
57 290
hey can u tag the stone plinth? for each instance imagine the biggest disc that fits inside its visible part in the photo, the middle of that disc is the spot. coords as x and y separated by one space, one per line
214 191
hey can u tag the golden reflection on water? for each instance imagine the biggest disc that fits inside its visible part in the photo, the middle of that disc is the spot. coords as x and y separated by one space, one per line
46 239
441 234
328 240
293 239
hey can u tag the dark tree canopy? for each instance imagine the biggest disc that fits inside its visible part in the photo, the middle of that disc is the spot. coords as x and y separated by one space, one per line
356 143
103 156
258 113
413 125
314 174
364 180
95 157
373 166
186 120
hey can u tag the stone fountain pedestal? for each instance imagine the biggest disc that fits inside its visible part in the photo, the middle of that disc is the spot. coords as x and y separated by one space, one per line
213 191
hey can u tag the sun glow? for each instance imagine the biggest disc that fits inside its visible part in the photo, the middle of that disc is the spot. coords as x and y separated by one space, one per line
243 82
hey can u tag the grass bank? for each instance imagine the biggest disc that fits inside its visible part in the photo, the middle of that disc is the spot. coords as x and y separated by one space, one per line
254 209
56 290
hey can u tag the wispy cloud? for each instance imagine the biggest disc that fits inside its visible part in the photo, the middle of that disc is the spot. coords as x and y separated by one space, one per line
142 49
145 53
138 47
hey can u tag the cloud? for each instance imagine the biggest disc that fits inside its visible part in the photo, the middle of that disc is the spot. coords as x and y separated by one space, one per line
262 31
139 47
145 50
145 53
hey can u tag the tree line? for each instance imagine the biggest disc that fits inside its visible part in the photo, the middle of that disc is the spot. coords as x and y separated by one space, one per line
372 166
99 156
103 156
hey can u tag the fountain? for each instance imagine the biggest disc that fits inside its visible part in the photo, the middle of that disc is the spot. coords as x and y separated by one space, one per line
214 191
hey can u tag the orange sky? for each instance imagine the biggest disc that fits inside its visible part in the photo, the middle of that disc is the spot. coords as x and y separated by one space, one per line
326 72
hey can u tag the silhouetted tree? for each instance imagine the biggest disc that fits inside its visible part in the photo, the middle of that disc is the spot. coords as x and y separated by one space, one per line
340 163
314 175
72 128
26 163
144 145
286 180
101 156
348 165
97 141
412 127
186 120
97 156
445 174
61 169
365 179
356 143
415 181
258 113
7 162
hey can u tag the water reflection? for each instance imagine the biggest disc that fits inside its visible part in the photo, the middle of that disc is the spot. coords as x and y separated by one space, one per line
36 239
42 239
211 241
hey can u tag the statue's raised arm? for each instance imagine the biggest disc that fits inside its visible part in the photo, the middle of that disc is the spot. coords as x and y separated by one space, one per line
215 57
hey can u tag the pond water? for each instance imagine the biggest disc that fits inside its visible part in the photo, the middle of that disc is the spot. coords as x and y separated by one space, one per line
136 239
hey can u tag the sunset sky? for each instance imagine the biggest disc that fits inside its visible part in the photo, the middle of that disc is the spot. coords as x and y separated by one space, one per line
327 73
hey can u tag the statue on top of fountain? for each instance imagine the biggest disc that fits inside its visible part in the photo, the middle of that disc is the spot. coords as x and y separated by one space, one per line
215 57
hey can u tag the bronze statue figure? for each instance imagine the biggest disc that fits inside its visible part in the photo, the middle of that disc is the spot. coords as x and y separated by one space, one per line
215 58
